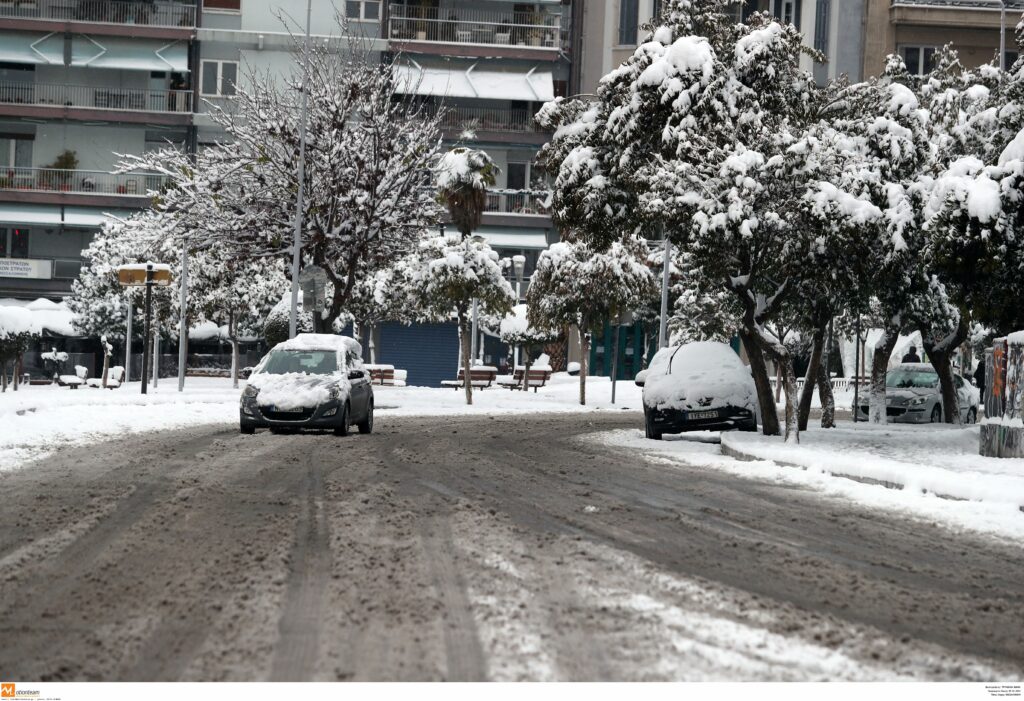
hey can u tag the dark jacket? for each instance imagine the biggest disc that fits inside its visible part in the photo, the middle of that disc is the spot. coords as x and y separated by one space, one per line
911 358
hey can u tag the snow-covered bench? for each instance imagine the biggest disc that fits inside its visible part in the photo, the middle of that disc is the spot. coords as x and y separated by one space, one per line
74 381
481 377
115 376
386 375
538 377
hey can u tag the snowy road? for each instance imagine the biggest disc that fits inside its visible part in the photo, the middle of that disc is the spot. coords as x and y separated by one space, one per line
475 548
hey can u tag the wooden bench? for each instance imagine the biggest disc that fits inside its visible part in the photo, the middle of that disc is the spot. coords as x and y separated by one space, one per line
479 377
536 379
386 375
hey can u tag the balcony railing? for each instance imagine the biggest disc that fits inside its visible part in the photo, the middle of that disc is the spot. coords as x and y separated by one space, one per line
458 25
517 202
87 182
482 119
90 97
963 4
150 14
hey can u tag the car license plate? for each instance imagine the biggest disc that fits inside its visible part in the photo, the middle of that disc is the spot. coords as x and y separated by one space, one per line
697 415
288 411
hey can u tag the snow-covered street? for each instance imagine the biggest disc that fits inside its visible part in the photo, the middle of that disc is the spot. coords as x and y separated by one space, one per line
513 547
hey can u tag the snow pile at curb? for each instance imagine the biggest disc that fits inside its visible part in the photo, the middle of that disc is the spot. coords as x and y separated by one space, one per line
940 460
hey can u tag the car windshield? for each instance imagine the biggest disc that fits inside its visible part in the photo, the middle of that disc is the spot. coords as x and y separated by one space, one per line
905 379
313 362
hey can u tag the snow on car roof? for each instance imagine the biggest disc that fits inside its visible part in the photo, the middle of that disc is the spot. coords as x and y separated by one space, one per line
322 341
917 367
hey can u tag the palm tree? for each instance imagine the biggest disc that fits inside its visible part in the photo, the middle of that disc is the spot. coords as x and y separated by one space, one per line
463 176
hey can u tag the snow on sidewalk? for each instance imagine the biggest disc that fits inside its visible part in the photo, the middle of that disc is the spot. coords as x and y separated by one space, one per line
940 459
36 420
891 448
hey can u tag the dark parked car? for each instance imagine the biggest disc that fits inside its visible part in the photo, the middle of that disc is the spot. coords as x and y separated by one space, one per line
312 381
697 387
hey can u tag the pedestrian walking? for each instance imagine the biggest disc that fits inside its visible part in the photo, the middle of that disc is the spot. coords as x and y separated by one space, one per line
979 379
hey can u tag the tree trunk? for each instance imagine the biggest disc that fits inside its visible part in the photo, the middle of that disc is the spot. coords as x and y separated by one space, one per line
941 358
584 365
467 362
373 347
759 371
3 376
19 367
828 400
526 369
879 368
784 362
811 378
106 366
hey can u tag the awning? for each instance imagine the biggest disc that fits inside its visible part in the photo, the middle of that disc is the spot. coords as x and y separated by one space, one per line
525 239
128 54
94 52
23 47
46 215
529 86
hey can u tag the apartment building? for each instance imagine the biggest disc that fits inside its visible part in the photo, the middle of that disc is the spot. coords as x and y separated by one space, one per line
82 80
917 29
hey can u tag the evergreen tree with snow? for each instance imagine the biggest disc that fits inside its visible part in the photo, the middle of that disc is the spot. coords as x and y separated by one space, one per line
576 285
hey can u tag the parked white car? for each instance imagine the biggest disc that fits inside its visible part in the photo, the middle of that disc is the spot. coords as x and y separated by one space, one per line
700 386
913 395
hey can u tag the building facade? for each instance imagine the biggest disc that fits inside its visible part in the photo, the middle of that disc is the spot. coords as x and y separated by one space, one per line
79 83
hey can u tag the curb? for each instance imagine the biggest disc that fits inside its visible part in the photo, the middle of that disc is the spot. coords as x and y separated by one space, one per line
743 456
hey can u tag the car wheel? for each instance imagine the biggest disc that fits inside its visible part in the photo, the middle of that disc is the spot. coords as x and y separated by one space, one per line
342 429
972 415
750 427
366 425
937 414
649 430
248 430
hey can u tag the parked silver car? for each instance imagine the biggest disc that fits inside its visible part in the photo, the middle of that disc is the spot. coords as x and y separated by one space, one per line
912 395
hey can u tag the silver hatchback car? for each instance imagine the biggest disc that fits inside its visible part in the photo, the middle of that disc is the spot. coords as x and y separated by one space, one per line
912 395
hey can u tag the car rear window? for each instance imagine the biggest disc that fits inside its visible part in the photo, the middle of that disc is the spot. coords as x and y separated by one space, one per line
280 362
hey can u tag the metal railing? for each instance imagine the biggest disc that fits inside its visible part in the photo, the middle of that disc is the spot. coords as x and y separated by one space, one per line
90 182
962 4
460 25
150 14
483 119
516 202
93 97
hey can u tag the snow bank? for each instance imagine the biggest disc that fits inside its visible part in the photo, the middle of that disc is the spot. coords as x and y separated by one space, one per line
935 459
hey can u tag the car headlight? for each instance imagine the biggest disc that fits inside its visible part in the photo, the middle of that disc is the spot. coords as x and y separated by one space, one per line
335 392
250 391
918 401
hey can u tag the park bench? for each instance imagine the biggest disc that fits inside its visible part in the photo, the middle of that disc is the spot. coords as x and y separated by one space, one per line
480 377
115 376
537 378
74 381
386 375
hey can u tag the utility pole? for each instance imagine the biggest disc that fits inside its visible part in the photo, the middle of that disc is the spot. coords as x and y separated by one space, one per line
128 340
856 375
666 268
145 333
293 317
183 313
1002 35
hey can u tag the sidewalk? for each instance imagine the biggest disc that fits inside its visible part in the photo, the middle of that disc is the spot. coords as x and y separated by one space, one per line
940 459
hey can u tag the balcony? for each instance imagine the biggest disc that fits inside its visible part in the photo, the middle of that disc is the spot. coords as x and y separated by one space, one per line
55 186
153 19
953 14
523 33
517 202
484 119
94 103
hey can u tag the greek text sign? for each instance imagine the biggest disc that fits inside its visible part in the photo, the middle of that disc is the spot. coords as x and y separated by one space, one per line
26 268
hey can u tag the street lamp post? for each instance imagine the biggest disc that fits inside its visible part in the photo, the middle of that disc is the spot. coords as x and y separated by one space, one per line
1002 35
128 340
293 317
666 270
519 268
182 323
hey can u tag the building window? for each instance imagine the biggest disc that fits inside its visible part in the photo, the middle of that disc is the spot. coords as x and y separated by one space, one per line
363 9
629 13
788 12
920 60
219 78
223 5
15 152
822 16
13 243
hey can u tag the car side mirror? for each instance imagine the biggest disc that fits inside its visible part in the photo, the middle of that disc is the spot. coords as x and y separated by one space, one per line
641 378
355 374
